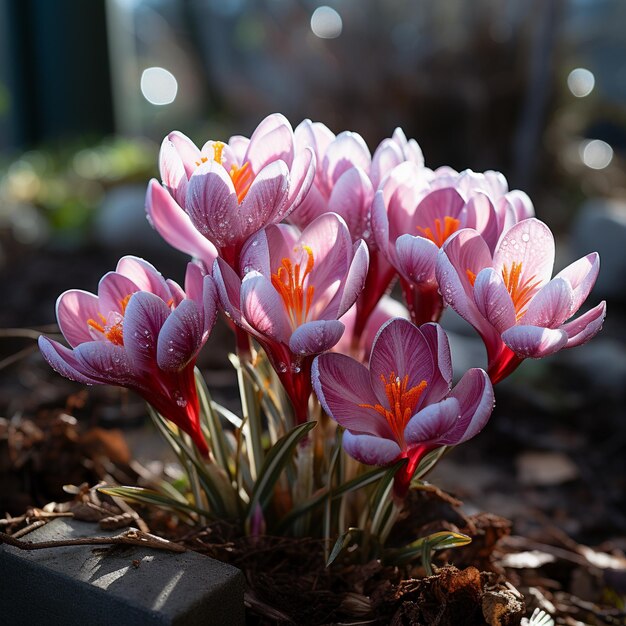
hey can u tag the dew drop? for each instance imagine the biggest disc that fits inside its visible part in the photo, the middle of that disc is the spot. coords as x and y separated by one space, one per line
255 243
525 237
282 368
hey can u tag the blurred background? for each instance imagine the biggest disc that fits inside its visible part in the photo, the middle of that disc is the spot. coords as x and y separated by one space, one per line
533 88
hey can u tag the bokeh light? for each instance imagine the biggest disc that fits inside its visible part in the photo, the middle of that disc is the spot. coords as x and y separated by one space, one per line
596 154
326 23
158 86
581 82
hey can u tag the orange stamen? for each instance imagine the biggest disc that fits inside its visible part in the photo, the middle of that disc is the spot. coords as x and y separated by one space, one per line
241 176
442 232
402 403
471 277
520 290
289 280
115 332
242 179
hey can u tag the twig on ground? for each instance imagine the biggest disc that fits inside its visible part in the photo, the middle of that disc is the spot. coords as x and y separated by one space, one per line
132 537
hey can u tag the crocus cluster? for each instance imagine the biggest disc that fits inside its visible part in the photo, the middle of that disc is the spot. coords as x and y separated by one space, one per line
297 236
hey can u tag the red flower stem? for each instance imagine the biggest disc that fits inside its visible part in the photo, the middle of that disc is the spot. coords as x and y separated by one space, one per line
423 301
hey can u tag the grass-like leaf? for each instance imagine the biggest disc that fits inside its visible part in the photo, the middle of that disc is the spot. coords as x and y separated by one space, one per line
153 498
277 458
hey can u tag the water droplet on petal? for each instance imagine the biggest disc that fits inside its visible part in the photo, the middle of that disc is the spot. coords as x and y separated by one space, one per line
525 237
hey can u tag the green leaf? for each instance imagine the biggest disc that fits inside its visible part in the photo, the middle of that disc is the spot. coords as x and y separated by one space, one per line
219 448
277 458
365 479
153 498
424 546
343 541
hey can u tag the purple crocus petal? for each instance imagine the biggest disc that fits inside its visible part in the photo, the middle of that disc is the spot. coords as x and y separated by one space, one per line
271 141
481 216
585 327
386 157
266 197
180 338
315 337
172 171
534 341
493 300
400 349
282 239
369 449
301 178
193 282
313 205
212 204
63 361
551 305
239 144
433 423
144 318
380 224
228 288
343 388
255 254
355 278
113 292
522 205
410 148
530 243
346 151
178 295
351 198
437 205
187 149
263 308
330 240
474 393
581 275
440 349
464 251
74 308
144 275
209 305
416 258
174 225
315 135
106 362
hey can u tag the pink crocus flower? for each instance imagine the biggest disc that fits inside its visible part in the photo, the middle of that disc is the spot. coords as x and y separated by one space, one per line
226 192
140 332
416 210
346 179
510 299
403 405
293 288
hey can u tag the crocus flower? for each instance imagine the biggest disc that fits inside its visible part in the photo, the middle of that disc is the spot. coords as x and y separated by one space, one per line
293 288
140 332
346 179
509 297
227 192
403 406
416 210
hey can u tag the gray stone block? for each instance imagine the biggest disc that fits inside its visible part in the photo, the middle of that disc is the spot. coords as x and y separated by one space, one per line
114 585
